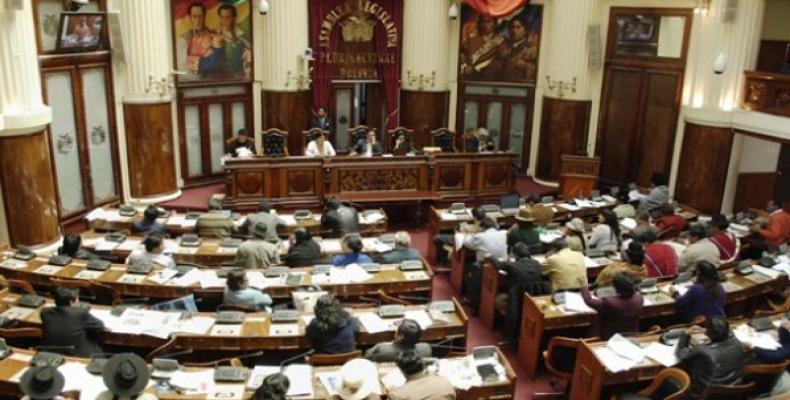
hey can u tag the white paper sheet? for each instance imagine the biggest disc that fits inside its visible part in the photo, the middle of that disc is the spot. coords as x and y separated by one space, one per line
256 280
357 274
612 361
372 322
75 375
624 348
194 382
48 269
13 263
421 317
130 244
195 325
15 312
763 340
661 353
575 303
226 392
288 219
330 380
415 275
628 223
162 276
771 273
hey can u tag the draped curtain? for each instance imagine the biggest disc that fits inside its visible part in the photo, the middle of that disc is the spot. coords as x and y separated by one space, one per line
390 73
322 71
495 8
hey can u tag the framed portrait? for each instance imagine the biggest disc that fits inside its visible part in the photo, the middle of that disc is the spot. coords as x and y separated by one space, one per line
501 49
637 35
212 40
81 31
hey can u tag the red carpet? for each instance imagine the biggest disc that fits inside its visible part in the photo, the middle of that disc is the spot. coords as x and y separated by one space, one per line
194 198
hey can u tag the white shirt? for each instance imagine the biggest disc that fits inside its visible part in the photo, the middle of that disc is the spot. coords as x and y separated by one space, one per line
313 151
141 256
491 242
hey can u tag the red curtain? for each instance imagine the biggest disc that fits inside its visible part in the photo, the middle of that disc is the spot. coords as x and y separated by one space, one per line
495 8
390 73
322 71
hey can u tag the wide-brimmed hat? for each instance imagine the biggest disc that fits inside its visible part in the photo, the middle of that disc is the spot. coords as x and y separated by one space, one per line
42 382
125 374
576 225
260 229
359 378
525 214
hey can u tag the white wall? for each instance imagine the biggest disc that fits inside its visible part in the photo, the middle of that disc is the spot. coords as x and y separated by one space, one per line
776 25
759 155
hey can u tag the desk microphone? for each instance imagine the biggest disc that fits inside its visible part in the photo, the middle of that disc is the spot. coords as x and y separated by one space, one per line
171 356
370 299
54 348
284 363
251 355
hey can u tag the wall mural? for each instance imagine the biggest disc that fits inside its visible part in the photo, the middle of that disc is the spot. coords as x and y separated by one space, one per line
500 49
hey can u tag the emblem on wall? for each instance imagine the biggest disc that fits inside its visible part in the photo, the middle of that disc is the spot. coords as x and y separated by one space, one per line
98 135
357 28
65 143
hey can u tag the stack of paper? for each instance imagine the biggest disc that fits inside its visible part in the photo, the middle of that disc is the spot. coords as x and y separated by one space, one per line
190 278
763 340
421 317
373 323
575 303
357 274
612 361
625 348
460 372
663 354
550 236
371 218
771 273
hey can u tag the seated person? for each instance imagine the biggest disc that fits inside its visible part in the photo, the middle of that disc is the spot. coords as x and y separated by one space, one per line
772 235
148 224
484 141
406 338
319 146
699 249
727 243
606 235
153 252
659 193
632 257
402 251
669 224
72 247
241 141
304 251
273 387
339 219
718 362
574 235
214 223
352 244
523 275
490 241
618 314
565 267
444 241
660 259
68 325
625 209
705 297
420 383
642 225
402 146
368 147
265 216
238 292
257 252
332 330
766 356
471 143
523 231
544 214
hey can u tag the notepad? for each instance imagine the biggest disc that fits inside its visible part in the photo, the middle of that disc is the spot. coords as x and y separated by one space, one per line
88 274
283 330
661 353
225 330
48 269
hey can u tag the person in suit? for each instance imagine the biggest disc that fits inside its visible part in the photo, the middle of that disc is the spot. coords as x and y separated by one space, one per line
266 217
669 224
148 224
214 223
241 141
339 219
352 244
332 331
705 297
153 252
304 251
368 147
420 384
620 313
402 251
274 387
523 275
406 338
238 292
565 267
258 252
632 259
658 195
700 248
72 247
66 324
718 362
319 146
321 121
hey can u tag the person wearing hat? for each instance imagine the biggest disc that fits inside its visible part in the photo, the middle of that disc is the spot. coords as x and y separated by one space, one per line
153 252
699 249
68 325
542 213
241 141
339 219
565 267
126 376
359 380
257 252
274 387
632 259
625 209
406 338
265 216
402 251
726 242
238 292
523 231
574 235
215 223
148 224
42 383
420 384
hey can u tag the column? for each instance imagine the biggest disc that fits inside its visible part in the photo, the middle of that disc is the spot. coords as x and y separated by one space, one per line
281 39
425 67
30 208
147 101
566 103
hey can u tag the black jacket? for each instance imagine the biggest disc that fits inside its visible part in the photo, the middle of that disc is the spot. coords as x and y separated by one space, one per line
316 122
341 221
361 147
72 326
304 254
718 363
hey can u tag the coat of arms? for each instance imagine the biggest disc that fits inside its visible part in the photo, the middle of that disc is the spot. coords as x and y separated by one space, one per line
65 143
98 135
357 28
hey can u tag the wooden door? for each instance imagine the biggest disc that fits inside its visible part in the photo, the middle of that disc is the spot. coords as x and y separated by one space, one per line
702 172
659 114
618 123
342 110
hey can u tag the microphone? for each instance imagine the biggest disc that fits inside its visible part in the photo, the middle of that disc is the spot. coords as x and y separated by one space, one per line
171 356
284 363
370 299
251 355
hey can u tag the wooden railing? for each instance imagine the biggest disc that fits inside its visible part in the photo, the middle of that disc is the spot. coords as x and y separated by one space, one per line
767 92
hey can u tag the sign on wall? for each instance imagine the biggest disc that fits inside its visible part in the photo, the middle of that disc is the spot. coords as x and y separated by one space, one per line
213 40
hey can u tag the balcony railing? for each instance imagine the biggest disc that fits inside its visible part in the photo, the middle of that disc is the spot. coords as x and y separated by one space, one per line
767 92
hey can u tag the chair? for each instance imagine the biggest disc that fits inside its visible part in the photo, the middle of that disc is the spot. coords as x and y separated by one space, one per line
275 142
392 136
84 287
311 134
444 139
471 144
726 392
669 384
106 295
20 287
358 133
764 376
318 360
560 358
388 299
22 337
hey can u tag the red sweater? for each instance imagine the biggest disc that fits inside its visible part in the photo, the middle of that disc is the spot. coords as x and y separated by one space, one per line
670 226
778 230
660 260
727 245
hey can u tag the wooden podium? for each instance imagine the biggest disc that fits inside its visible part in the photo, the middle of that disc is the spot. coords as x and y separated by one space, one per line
578 175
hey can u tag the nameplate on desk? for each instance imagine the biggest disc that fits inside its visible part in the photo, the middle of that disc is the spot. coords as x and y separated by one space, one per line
415 275
226 392
283 330
12 263
225 330
48 269
88 274
132 278
17 312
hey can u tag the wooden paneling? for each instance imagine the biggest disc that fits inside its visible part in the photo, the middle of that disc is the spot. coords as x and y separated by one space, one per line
619 118
29 194
754 190
287 110
659 123
150 149
767 92
563 130
773 55
702 172
423 112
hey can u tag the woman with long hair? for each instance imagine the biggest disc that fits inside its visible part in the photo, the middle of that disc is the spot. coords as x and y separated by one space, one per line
705 297
606 235
332 330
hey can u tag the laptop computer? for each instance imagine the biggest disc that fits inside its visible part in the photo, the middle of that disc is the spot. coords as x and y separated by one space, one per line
508 204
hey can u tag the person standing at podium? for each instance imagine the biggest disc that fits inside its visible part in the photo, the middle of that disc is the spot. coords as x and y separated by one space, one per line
368 147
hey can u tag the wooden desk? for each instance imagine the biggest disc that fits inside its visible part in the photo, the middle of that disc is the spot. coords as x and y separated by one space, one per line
19 360
307 181
254 332
390 279
541 319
